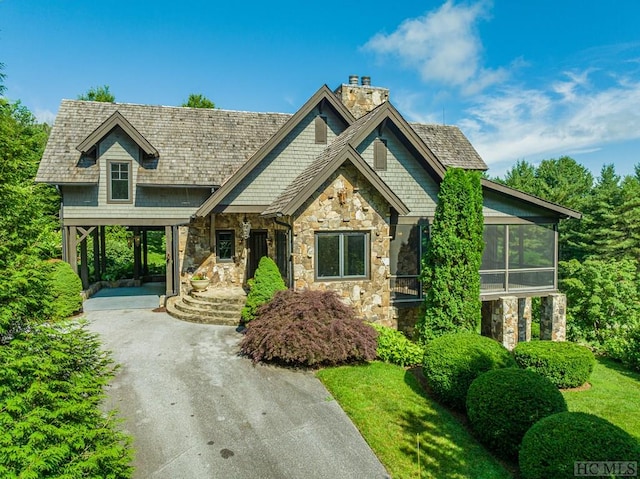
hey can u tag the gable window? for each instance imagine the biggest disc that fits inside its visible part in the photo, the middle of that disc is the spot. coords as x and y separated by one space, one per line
321 129
225 245
119 181
342 255
380 154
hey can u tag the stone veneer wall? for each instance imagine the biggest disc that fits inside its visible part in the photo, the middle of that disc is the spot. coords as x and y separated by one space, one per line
196 253
362 209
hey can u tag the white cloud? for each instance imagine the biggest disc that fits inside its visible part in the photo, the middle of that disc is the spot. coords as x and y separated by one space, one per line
443 46
44 116
567 116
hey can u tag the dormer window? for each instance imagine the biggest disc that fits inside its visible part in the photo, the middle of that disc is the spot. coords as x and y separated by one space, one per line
119 181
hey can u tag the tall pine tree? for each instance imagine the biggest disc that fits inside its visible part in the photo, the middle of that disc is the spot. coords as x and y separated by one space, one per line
451 264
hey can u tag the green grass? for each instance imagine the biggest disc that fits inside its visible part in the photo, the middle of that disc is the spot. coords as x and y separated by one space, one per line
614 395
390 408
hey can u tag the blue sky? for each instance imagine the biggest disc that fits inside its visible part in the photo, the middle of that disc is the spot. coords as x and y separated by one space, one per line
523 79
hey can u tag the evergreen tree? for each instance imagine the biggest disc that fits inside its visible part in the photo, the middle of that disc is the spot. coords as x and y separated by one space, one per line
451 264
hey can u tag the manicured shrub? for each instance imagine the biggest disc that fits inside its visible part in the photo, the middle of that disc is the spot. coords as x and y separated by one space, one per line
553 445
565 364
451 363
504 403
64 290
265 283
394 347
308 328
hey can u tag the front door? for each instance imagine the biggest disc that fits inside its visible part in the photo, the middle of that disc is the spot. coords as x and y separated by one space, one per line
257 246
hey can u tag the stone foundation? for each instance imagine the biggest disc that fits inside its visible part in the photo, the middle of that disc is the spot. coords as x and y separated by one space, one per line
553 321
508 319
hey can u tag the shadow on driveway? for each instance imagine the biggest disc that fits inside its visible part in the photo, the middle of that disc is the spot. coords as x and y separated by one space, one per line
198 410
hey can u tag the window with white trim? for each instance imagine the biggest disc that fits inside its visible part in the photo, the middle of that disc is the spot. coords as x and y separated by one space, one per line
342 254
119 181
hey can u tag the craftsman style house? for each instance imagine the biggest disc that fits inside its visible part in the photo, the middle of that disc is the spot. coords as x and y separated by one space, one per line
340 194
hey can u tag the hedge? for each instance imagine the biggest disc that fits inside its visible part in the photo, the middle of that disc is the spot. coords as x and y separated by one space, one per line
553 445
565 364
504 403
451 363
266 281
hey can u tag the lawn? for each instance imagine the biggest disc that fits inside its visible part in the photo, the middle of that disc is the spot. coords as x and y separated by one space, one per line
392 411
390 408
614 395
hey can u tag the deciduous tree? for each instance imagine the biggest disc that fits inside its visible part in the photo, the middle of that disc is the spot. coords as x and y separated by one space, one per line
99 93
196 100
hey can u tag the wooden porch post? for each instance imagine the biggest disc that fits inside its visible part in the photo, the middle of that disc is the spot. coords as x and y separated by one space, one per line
145 254
72 248
84 267
96 254
168 233
136 253
103 250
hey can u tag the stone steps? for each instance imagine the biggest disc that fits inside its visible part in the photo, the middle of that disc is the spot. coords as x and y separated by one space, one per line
213 306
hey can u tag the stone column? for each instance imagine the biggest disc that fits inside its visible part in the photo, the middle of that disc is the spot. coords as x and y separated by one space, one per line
524 319
504 321
553 322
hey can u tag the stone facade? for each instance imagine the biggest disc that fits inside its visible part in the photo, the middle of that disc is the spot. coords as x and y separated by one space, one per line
524 319
553 322
347 202
361 99
197 248
503 320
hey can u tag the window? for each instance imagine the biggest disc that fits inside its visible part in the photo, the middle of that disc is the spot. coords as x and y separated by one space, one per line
119 181
225 245
321 129
380 154
342 255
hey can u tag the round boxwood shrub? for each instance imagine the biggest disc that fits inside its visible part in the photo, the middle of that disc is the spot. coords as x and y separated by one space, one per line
266 281
553 445
565 364
452 361
504 403
394 347
308 328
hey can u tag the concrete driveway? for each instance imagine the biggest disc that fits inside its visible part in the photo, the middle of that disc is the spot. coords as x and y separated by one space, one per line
198 410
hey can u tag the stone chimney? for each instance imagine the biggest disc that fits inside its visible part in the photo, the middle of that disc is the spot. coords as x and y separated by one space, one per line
361 98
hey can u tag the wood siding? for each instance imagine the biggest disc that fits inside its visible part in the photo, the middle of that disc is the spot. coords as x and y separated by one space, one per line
404 174
284 163
90 201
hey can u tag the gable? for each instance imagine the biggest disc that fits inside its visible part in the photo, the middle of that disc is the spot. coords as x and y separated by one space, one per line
322 101
404 173
116 120
284 162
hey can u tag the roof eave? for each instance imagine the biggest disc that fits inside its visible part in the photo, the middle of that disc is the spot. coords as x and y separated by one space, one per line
117 119
561 211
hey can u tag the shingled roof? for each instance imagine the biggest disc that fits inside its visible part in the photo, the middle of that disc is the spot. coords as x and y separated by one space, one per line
200 147
450 146
197 147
